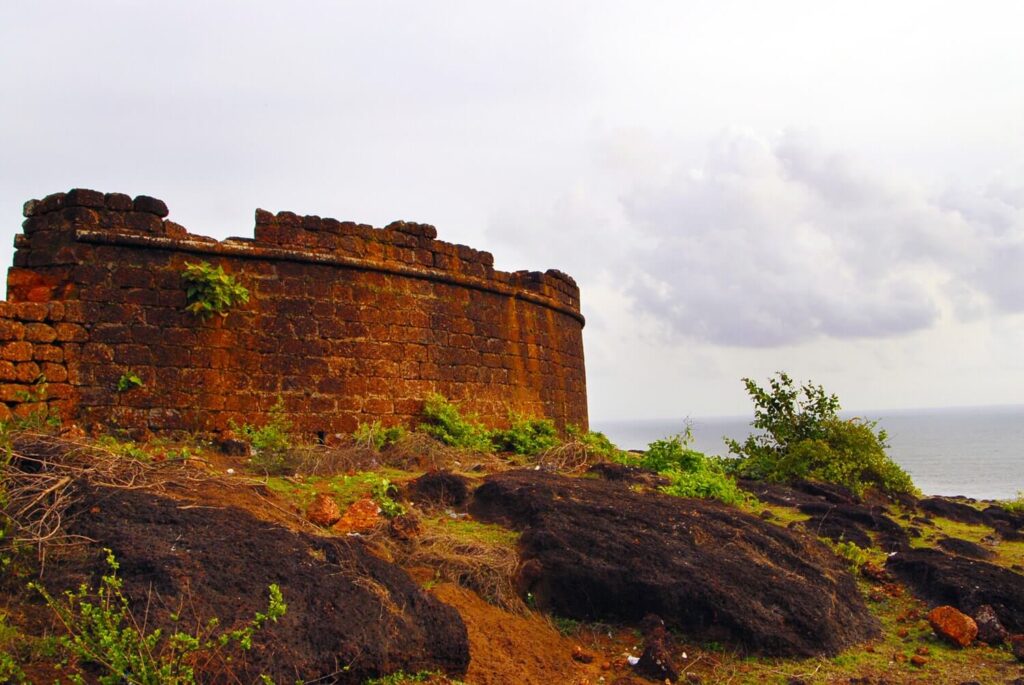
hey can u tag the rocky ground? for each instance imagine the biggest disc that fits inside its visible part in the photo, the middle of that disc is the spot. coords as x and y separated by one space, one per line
473 568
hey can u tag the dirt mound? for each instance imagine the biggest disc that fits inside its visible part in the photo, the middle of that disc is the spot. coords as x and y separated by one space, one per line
439 489
594 549
850 522
351 616
966 584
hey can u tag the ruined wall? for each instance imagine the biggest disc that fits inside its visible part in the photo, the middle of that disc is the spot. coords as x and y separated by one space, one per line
346 323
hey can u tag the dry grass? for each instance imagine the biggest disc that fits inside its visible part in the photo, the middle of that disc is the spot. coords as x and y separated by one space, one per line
571 456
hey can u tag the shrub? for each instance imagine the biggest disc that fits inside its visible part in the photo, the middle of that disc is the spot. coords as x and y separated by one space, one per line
593 442
803 436
690 473
444 421
103 632
850 552
376 436
271 442
527 436
1016 504
210 290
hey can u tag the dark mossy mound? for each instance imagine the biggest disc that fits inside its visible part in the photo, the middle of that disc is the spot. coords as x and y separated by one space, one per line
351 616
954 511
594 549
851 523
967 584
439 489
965 548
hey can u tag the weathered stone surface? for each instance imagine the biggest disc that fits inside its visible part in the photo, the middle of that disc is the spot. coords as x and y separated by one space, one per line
967 584
593 549
965 548
323 511
851 522
345 606
990 629
339 343
361 517
953 625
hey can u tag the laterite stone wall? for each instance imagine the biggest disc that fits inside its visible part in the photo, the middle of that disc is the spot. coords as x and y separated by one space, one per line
345 323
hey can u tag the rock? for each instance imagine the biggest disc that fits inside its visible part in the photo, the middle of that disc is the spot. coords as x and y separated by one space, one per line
439 488
1017 646
918 660
954 511
345 606
150 205
362 517
628 474
404 527
323 511
582 656
656 662
595 550
940 578
874 573
851 523
990 630
235 447
953 625
964 548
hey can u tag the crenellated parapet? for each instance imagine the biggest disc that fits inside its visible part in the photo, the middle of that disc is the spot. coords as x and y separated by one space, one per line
346 322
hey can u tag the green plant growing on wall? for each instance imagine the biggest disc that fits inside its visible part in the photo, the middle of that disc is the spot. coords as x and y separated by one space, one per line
210 290
103 632
128 381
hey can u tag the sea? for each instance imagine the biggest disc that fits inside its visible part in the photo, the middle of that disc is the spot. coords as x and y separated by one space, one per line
973 452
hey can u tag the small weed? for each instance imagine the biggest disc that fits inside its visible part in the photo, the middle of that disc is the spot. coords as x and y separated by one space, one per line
527 436
375 435
128 381
384 492
103 632
210 290
1016 504
401 678
854 555
271 442
123 448
566 626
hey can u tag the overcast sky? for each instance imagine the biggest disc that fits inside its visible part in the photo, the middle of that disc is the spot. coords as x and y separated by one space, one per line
834 189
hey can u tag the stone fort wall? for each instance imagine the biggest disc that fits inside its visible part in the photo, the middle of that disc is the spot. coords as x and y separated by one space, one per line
346 323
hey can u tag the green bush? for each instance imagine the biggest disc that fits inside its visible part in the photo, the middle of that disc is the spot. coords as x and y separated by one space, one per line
102 632
850 552
527 436
210 290
376 436
593 442
1016 504
444 421
802 436
270 442
690 473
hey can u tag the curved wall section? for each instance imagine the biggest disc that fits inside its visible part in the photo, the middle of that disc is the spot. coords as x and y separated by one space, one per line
346 323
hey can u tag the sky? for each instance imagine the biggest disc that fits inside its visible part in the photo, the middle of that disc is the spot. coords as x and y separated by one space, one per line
831 189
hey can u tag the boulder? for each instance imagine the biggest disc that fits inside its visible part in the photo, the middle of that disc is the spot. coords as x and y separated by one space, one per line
361 517
965 548
351 616
439 488
323 511
657 661
628 474
851 523
594 550
967 584
953 625
990 630
954 511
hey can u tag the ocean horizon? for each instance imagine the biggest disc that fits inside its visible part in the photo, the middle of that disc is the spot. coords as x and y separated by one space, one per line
970 451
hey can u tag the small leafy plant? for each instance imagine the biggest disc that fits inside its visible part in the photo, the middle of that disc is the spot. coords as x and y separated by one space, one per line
102 631
128 381
384 493
1016 504
270 442
850 552
375 435
210 290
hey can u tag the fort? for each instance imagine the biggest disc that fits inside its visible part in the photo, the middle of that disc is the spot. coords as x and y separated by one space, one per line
345 323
